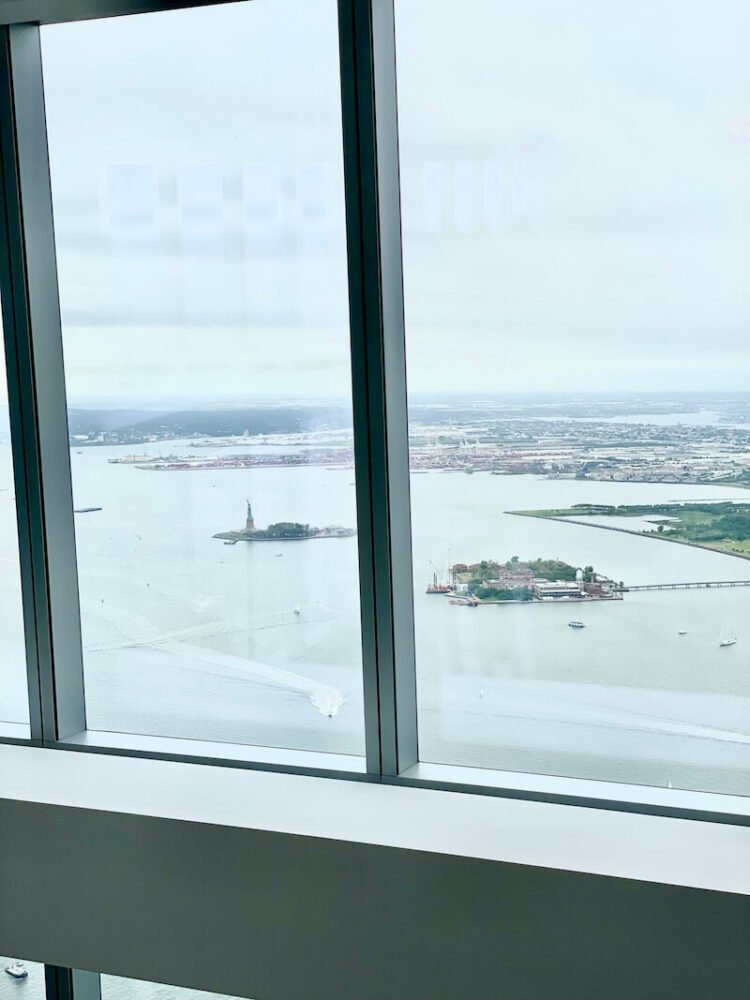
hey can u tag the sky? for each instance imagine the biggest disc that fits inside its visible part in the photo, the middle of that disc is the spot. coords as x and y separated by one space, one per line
575 199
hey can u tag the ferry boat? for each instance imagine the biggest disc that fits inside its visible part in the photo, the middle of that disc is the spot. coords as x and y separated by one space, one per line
17 970
576 624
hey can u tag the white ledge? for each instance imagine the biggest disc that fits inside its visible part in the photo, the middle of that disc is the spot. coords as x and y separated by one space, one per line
679 852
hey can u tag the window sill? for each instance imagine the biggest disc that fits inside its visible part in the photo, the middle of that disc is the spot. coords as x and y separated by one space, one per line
14 732
604 795
545 835
673 802
208 752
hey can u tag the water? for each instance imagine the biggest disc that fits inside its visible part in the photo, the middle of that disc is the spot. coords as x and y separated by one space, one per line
112 987
119 988
187 637
626 699
31 988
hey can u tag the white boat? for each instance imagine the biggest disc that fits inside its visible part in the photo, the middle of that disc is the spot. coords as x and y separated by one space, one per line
682 631
726 638
576 624
17 970
297 609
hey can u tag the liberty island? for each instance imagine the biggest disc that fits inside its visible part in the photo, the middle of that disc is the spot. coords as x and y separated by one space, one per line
281 531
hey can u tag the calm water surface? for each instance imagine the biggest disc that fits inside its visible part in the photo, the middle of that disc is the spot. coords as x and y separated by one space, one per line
260 643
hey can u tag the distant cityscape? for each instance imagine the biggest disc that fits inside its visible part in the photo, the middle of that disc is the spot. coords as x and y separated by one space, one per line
583 440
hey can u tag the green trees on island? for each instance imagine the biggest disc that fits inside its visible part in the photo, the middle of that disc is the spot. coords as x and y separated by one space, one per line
483 578
284 529
723 525
554 569
485 593
542 569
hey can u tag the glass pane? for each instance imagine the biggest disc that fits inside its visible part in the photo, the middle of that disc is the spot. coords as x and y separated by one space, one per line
577 243
20 980
14 699
198 195
118 988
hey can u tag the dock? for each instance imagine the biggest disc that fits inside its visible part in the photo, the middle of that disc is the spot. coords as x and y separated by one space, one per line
693 585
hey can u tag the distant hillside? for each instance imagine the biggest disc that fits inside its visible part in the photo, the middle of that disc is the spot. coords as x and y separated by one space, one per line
210 423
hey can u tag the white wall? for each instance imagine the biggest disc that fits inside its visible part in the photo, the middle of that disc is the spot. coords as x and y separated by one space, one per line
280 917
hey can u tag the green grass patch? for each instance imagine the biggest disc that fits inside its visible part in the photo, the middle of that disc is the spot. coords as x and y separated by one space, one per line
723 526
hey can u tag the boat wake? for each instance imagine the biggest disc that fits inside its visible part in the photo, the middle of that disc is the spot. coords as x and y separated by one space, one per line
139 632
328 701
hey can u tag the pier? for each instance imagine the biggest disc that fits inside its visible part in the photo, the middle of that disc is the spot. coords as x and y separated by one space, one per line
684 586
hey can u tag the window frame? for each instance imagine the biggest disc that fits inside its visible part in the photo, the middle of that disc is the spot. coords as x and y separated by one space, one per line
40 444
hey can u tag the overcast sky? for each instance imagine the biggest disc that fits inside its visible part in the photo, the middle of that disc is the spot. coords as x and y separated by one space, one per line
576 198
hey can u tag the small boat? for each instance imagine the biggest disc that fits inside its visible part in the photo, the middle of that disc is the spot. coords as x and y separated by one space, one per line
726 638
576 624
297 609
17 970
682 631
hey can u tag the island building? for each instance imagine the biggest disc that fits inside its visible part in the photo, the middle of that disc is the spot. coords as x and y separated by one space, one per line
520 577
512 579
555 590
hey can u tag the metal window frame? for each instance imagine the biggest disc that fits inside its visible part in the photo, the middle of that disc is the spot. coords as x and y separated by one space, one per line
61 983
60 11
33 339
381 445
39 421
28 282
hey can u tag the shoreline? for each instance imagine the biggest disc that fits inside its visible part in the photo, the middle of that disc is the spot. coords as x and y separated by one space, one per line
644 482
572 603
629 531
229 536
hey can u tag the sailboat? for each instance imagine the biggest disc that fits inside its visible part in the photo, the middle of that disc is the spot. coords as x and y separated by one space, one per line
726 638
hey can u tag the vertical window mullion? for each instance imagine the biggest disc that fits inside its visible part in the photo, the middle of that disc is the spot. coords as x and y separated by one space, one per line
373 211
39 426
69 984
13 306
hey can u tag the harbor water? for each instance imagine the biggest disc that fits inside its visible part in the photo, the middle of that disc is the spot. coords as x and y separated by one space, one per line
185 636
